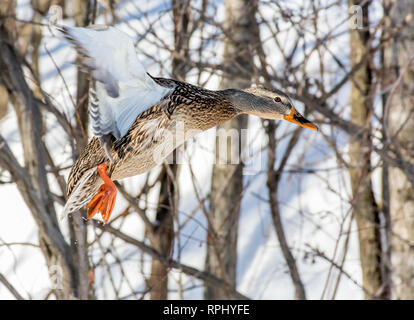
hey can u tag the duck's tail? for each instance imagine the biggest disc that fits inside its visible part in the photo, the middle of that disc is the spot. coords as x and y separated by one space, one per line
82 192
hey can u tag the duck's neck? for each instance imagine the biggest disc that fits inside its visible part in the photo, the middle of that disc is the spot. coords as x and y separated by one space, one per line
248 103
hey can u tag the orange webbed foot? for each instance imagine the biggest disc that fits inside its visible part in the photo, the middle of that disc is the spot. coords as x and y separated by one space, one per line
104 200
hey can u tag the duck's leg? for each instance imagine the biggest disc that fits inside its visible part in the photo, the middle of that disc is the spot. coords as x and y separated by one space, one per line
104 200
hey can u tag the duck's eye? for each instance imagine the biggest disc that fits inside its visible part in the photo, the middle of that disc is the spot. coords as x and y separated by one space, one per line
277 99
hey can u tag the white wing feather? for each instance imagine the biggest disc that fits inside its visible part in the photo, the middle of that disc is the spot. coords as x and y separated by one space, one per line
123 88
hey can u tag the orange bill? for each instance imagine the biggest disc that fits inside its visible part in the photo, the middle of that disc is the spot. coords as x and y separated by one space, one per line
300 120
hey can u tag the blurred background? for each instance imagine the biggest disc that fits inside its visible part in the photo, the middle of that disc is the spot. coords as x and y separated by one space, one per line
305 215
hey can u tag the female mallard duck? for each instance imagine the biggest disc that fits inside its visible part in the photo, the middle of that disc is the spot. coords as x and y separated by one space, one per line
135 117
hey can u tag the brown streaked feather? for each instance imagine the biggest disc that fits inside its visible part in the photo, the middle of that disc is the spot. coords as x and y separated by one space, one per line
133 154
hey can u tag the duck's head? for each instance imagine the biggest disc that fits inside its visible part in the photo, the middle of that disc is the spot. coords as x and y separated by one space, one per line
268 104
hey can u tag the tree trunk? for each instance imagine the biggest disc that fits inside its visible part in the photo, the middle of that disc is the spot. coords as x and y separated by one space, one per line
32 179
364 206
77 226
399 72
162 235
10 26
227 179
68 265
82 10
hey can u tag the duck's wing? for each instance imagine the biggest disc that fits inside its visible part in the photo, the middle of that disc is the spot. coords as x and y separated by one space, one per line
123 88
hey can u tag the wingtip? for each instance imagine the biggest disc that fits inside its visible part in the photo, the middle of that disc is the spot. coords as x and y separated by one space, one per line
64 31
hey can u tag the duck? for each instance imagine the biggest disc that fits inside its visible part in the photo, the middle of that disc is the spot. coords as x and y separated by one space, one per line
138 120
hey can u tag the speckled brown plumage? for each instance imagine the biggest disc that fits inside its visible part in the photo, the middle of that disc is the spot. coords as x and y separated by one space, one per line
195 107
